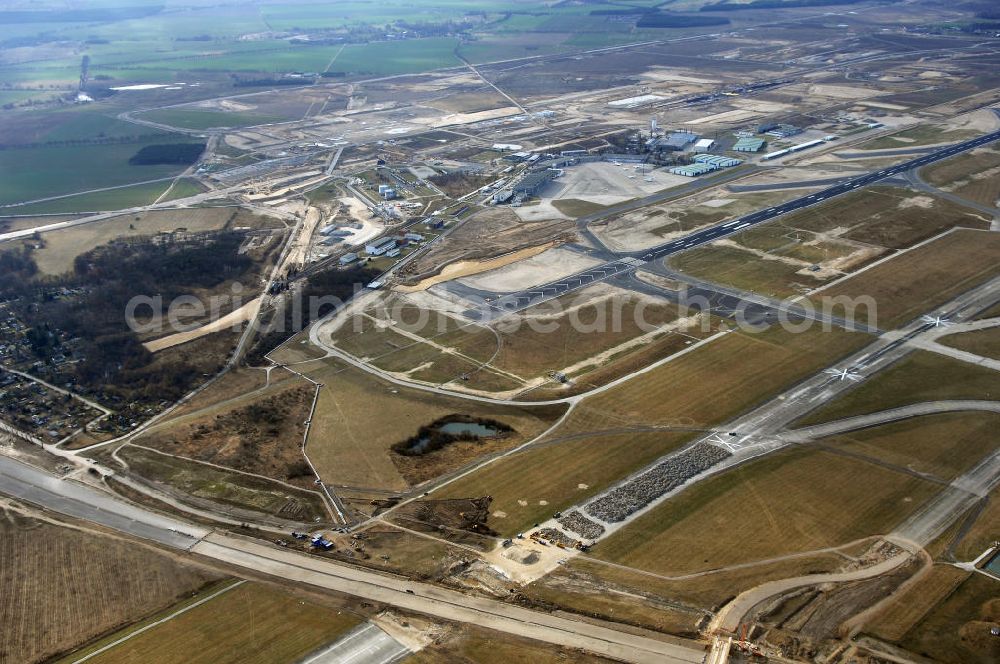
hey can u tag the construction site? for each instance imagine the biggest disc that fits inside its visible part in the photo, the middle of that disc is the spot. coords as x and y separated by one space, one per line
566 339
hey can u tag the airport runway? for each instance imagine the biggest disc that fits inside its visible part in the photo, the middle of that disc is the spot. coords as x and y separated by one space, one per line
765 429
78 500
366 644
627 261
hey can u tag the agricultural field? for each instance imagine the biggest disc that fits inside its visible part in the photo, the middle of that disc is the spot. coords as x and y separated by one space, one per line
119 198
921 279
54 170
60 586
401 57
250 622
791 501
358 417
921 376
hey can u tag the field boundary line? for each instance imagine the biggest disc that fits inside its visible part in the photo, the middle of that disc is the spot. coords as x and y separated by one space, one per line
159 622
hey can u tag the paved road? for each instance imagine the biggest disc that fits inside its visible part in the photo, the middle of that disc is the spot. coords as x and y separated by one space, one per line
914 179
729 618
520 300
366 644
77 500
446 604
887 416
32 485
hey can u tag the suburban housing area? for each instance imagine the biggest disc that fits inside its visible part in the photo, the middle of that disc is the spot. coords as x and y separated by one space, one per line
578 331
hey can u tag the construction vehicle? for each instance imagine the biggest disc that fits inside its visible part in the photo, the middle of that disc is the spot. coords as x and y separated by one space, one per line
745 645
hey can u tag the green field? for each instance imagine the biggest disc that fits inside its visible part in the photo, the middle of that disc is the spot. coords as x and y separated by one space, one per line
192 118
40 172
99 201
400 57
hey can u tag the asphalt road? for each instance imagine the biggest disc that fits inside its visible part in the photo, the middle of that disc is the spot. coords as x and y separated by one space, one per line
520 300
78 500
68 497
447 604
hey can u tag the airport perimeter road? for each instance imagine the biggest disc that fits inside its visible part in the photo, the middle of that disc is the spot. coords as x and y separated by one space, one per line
68 497
520 300
38 487
446 604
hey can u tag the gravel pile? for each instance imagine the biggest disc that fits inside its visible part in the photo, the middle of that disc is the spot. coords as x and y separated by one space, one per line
629 498
556 537
581 525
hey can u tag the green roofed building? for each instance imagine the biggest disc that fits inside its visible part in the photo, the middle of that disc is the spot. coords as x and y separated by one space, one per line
749 144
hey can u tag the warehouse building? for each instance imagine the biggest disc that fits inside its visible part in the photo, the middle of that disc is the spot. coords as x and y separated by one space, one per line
749 144
784 131
379 247
532 183
717 160
692 170
347 259
502 196
703 145
677 140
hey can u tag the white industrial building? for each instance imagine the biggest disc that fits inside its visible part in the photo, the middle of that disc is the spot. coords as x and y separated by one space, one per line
703 145
379 247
